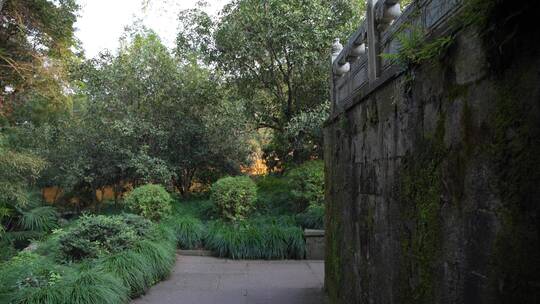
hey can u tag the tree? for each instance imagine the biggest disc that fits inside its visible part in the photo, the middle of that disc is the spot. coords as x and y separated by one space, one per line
275 52
36 37
143 116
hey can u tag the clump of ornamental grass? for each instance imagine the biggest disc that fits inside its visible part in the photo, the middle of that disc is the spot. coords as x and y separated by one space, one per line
134 269
94 285
313 217
256 239
189 231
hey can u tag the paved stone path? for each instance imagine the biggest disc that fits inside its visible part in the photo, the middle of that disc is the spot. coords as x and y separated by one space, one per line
207 280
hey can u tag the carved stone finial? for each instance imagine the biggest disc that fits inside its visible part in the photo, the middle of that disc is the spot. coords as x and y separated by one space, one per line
386 11
337 47
342 69
359 50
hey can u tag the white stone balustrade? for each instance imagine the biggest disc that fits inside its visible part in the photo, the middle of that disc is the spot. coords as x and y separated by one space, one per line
359 64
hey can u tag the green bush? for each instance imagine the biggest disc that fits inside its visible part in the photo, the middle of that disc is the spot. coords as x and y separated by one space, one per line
312 218
189 231
273 195
267 238
306 183
234 197
151 201
94 236
203 209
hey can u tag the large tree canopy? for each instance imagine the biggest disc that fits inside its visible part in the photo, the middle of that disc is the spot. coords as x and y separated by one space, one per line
142 116
36 39
275 52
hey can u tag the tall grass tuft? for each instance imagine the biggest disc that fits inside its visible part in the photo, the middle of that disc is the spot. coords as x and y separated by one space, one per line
30 278
132 268
97 286
189 231
263 238
160 258
312 217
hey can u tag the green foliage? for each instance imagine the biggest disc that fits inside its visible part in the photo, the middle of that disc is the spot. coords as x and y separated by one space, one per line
266 238
416 49
39 219
94 236
202 209
29 278
305 134
22 215
151 201
96 286
139 116
306 183
160 257
273 195
276 54
17 170
134 269
36 43
313 217
234 197
189 231
36 278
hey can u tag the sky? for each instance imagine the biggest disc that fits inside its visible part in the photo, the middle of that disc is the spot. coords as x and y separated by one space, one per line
102 22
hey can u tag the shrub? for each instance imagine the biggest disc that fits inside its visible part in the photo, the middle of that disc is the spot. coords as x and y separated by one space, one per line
151 201
306 183
312 218
203 209
273 195
93 236
234 196
189 231
268 238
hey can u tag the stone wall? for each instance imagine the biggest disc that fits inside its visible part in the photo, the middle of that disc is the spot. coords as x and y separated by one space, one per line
433 170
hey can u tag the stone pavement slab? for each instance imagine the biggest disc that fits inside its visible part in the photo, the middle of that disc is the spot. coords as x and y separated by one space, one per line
208 280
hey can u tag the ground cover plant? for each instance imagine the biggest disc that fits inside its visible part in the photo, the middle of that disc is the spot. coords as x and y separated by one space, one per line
189 231
259 238
312 217
92 261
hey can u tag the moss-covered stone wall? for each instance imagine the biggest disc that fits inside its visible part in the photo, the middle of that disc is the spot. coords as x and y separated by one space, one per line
434 178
